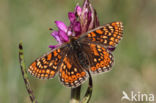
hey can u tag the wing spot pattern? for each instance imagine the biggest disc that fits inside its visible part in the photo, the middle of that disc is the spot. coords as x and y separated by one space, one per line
108 35
102 62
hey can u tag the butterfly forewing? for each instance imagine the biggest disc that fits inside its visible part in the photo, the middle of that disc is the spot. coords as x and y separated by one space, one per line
48 65
108 35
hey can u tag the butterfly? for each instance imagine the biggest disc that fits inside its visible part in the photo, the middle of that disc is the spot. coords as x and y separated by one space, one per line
75 59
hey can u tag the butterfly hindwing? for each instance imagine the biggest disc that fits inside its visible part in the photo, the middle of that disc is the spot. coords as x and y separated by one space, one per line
100 58
71 74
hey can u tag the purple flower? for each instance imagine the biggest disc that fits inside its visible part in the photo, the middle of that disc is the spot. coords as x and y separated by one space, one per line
81 20
78 10
61 26
55 34
72 17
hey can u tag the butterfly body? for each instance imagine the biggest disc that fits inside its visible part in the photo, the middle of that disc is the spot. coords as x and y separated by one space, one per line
77 48
88 53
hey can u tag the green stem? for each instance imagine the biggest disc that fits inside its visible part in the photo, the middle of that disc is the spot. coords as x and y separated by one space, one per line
88 94
75 95
24 74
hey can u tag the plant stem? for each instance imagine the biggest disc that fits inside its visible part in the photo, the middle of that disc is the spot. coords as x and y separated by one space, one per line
24 74
75 95
88 94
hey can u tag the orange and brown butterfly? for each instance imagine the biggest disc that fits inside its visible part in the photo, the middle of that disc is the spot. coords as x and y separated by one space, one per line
74 60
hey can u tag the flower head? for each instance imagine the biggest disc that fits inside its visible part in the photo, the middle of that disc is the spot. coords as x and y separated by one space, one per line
81 20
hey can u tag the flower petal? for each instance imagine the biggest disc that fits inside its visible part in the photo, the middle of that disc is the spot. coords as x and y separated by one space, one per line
61 26
54 46
85 4
77 28
78 10
63 36
69 32
85 16
71 17
56 36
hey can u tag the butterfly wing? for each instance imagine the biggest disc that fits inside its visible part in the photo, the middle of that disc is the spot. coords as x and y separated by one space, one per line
108 35
71 73
48 65
100 58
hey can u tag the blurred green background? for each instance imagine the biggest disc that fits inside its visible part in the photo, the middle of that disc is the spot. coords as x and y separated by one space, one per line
28 21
